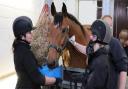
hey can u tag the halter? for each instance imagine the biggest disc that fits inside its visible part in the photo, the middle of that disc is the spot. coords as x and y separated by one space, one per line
59 49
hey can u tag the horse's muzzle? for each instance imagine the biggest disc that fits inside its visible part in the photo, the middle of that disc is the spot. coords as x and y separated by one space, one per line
53 64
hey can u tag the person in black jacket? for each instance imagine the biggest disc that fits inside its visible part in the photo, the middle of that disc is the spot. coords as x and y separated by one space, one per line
26 66
100 73
117 54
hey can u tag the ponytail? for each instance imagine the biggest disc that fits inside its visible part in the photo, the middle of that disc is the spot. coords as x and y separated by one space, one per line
15 42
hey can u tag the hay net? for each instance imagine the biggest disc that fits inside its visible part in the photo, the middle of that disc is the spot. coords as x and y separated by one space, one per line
40 36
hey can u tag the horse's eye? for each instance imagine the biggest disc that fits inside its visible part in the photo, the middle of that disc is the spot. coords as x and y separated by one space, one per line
64 30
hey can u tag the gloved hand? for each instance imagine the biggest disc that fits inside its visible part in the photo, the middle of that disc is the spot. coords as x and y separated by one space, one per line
56 72
72 40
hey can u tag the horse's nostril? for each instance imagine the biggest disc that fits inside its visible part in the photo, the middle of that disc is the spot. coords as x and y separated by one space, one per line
59 50
52 64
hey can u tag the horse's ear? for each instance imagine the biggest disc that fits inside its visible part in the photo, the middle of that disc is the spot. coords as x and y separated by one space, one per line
64 10
53 9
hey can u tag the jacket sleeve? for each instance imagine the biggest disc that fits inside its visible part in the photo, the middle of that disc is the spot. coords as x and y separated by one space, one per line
97 78
32 69
119 57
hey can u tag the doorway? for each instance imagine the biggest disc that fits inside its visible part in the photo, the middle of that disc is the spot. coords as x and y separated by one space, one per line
120 16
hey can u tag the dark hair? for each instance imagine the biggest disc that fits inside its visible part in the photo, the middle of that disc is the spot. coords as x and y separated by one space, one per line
16 41
14 44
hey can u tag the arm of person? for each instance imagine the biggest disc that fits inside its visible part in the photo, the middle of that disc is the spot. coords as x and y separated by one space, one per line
122 80
81 48
32 70
120 60
49 80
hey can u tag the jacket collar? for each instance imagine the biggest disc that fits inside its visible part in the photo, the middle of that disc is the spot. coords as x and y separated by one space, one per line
24 43
99 52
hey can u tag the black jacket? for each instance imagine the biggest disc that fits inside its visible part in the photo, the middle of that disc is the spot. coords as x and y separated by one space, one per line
26 67
117 55
126 50
100 72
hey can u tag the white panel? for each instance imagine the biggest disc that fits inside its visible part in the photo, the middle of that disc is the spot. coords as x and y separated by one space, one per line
106 7
6 57
20 4
58 5
9 10
12 12
71 6
87 11
111 7
5 23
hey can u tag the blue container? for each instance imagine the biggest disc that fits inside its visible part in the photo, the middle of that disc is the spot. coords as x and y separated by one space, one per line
56 72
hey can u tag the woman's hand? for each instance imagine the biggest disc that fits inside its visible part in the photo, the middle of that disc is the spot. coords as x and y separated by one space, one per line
50 80
72 40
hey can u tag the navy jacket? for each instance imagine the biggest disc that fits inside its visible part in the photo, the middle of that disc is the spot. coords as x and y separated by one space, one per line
126 50
101 74
26 68
117 55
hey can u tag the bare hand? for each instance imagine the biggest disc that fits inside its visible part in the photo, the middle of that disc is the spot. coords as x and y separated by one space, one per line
72 40
49 80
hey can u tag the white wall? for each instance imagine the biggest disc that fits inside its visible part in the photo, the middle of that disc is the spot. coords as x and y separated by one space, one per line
87 11
72 6
108 8
9 10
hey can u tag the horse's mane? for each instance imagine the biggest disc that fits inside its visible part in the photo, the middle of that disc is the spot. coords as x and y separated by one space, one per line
59 19
73 18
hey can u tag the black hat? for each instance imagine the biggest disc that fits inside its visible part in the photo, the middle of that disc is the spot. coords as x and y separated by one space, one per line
21 25
102 30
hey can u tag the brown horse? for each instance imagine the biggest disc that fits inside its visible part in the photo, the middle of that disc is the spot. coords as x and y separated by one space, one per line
63 27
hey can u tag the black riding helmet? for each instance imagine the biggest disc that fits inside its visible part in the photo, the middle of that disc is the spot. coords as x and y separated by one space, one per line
21 25
102 30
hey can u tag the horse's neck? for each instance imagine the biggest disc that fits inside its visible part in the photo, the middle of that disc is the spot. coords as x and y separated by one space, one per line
76 30
77 59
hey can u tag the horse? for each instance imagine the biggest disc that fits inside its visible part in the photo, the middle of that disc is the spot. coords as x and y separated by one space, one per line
64 26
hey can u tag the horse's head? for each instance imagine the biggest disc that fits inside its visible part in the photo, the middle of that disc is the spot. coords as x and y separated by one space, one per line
58 36
63 26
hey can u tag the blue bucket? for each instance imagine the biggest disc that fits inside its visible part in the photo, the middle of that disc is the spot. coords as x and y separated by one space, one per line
56 72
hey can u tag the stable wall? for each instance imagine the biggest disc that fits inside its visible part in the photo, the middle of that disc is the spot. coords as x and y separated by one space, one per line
9 10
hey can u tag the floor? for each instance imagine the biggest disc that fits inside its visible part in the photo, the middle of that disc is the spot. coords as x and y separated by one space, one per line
9 82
